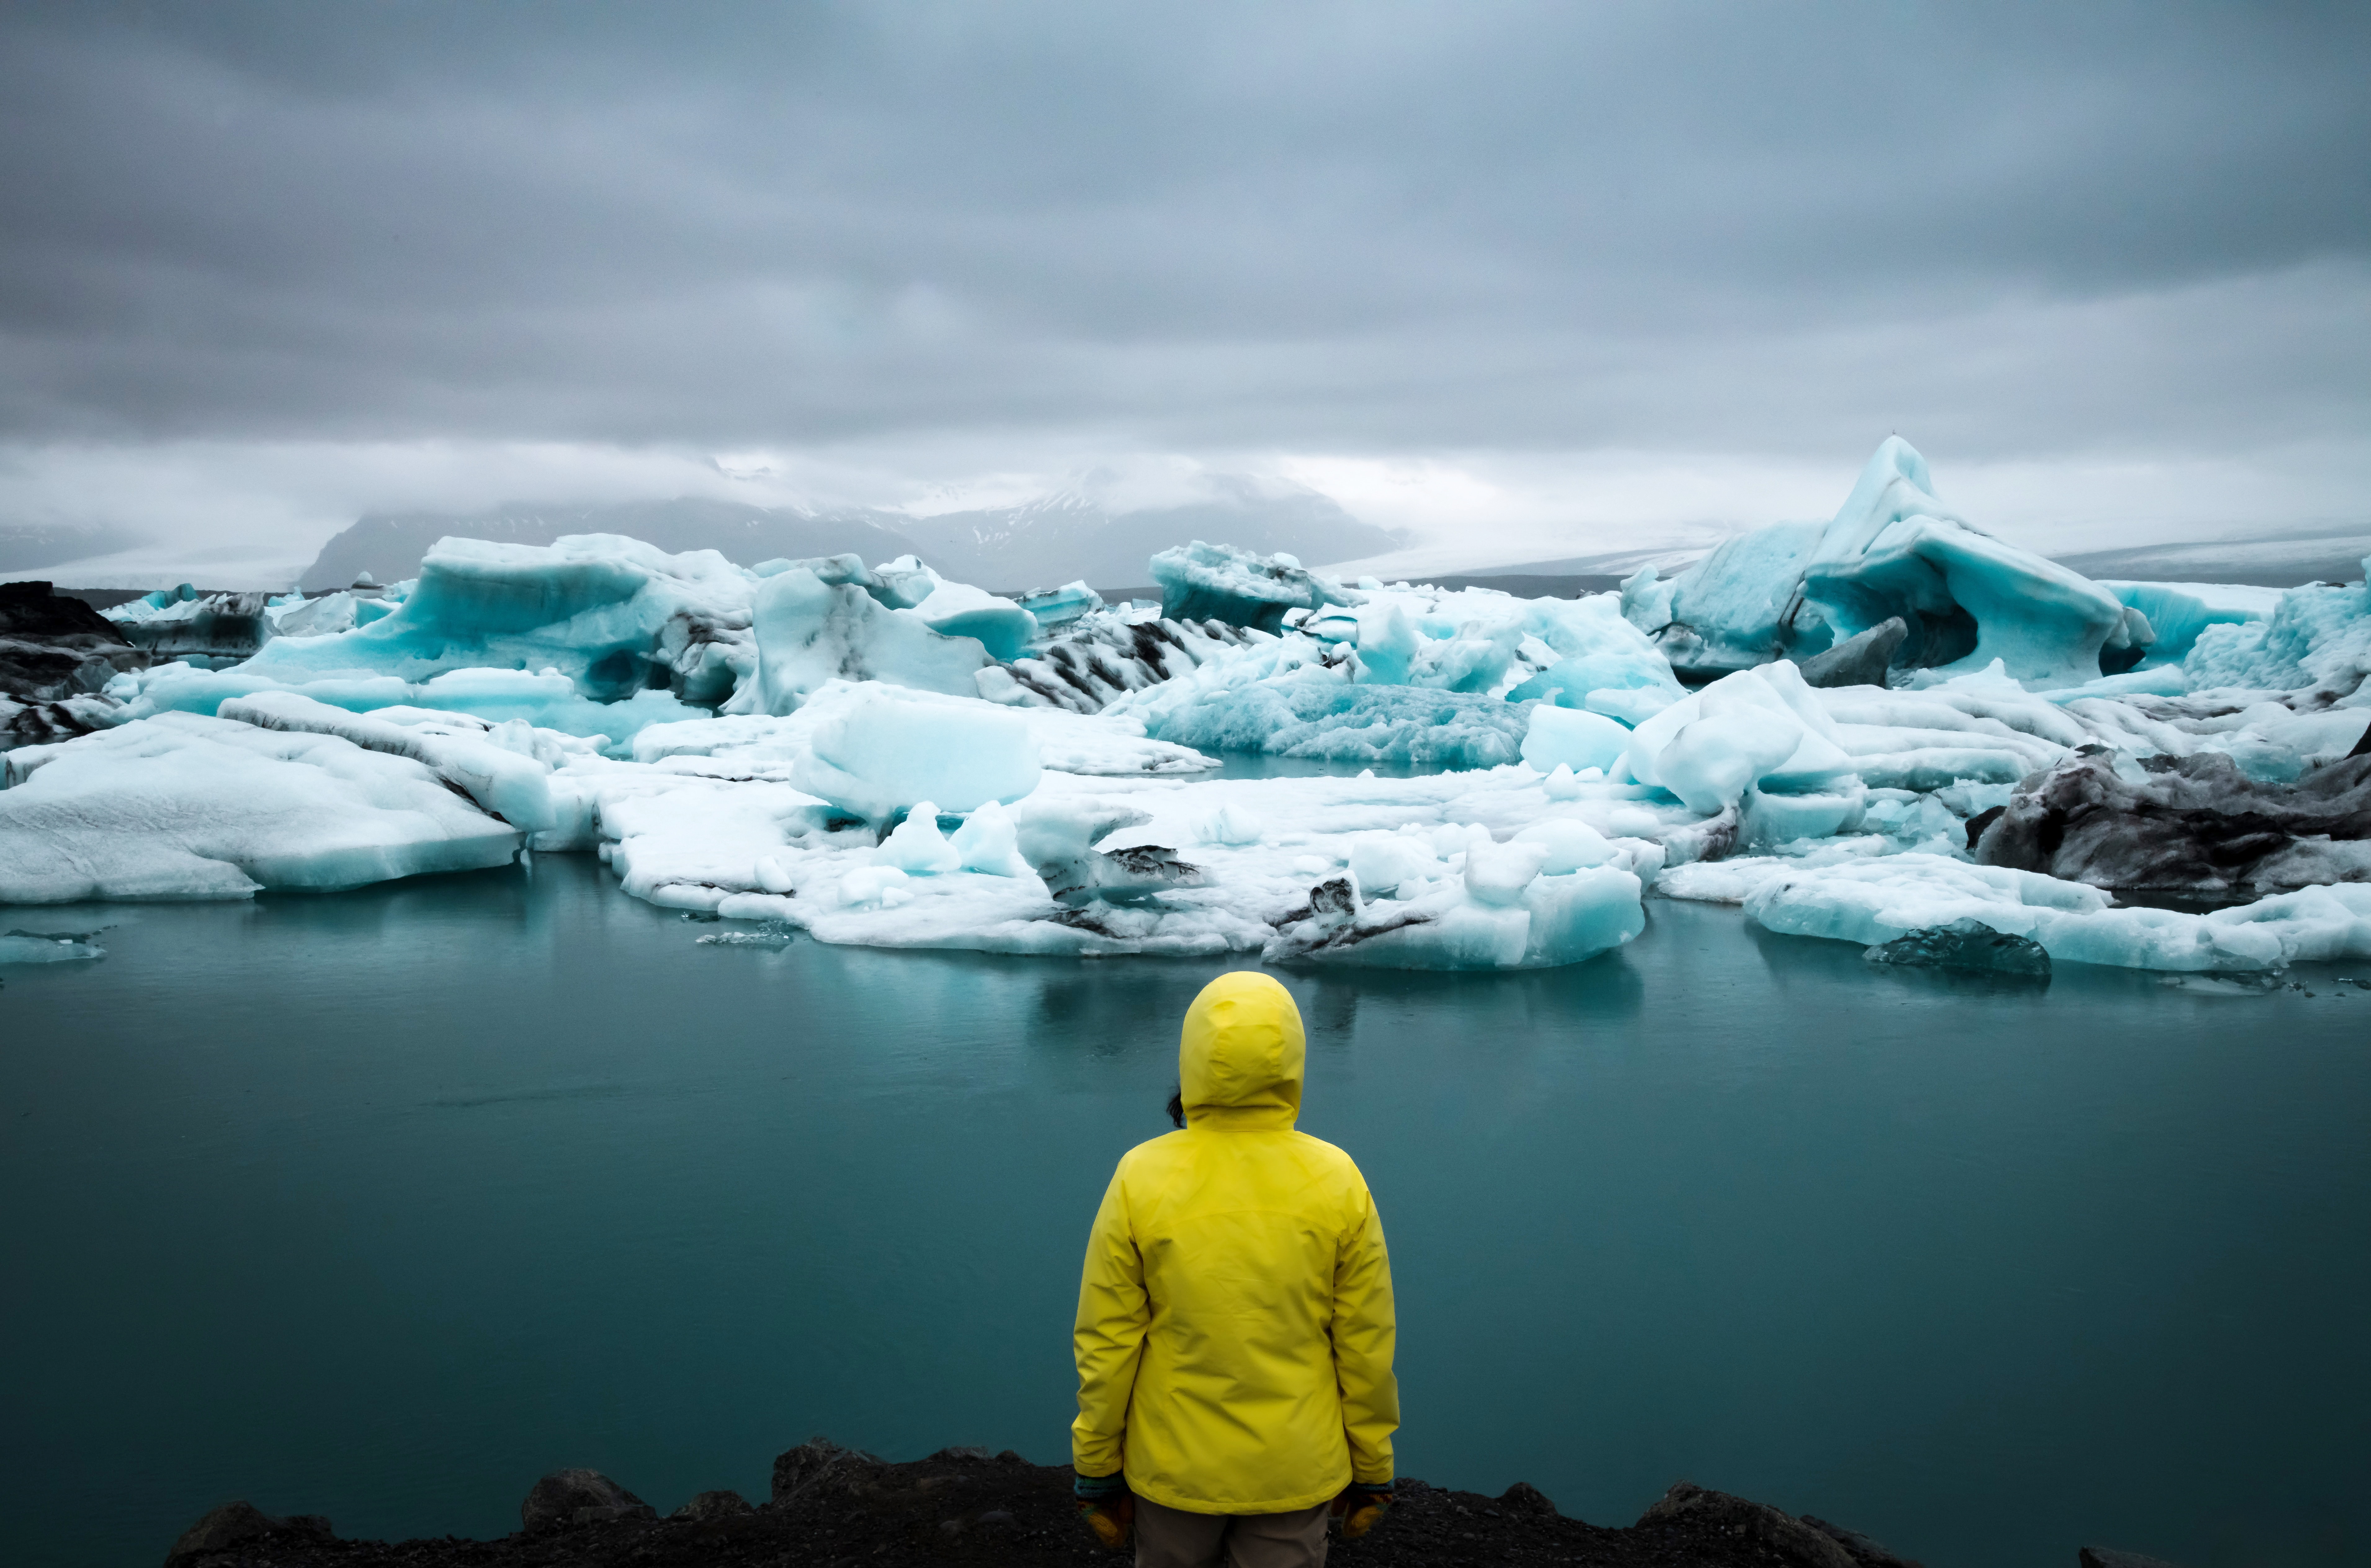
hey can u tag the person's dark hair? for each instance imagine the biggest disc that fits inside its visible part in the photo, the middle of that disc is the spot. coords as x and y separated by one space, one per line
1177 1105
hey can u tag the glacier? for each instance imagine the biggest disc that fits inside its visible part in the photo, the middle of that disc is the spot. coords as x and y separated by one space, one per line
1855 730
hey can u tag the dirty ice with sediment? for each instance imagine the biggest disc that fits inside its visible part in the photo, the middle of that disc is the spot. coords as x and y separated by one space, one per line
1888 723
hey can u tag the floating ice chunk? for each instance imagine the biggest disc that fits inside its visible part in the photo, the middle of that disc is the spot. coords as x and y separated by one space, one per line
809 631
1327 717
988 843
1969 598
1387 641
770 874
1562 783
1106 654
1057 609
1711 763
1497 873
878 884
612 613
1384 861
39 947
1567 844
1201 582
1731 611
1572 738
958 609
511 786
880 753
1767 817
2177 612
1632 705
1875 901
185 807
916 848
1555 920
1230 823
2318 636
548 700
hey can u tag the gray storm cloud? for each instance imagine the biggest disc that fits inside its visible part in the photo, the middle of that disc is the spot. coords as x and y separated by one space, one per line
2013 233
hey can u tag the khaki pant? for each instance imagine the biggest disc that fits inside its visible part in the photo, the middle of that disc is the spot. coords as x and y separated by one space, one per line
1171 1538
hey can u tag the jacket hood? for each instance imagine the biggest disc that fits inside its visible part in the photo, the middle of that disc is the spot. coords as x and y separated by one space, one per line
1240 1056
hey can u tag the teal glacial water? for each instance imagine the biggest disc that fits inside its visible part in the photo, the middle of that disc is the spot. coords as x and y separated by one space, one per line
381 1205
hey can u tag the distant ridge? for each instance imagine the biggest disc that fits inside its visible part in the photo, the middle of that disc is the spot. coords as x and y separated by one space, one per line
390 545
1041 544
28 546
2326 555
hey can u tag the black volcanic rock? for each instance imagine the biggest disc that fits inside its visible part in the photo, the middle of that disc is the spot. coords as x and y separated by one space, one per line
2108 1557
1784 1538
52 648
235 1531
568 1497
2194 824
1858 660
714 1505
833 1504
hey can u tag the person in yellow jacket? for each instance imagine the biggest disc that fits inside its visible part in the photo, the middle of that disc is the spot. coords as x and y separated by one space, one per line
1234 1333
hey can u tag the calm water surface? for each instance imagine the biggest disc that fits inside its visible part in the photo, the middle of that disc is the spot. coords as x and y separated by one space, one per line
381 1205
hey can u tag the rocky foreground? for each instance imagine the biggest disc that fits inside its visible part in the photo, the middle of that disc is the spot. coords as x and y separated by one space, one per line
834 1508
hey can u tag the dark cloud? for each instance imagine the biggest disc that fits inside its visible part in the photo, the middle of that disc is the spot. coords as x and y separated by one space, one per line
1362 226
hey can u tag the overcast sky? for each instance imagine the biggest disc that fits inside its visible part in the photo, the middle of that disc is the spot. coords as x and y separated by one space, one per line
1535 280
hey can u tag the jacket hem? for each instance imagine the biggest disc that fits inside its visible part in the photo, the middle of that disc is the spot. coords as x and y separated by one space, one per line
1186 1505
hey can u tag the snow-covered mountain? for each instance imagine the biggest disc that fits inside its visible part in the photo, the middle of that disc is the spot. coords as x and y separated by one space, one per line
1108 539
388 546
1076 532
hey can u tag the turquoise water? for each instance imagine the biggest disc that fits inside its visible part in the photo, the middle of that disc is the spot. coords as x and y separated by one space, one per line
381 1205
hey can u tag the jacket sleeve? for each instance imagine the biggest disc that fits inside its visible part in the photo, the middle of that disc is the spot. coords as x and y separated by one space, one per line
1108 1338
1364 1333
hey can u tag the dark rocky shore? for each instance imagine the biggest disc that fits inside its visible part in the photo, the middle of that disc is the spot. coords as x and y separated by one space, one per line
834 1507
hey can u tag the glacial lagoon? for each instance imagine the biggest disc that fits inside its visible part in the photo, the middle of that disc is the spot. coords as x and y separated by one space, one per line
381 1204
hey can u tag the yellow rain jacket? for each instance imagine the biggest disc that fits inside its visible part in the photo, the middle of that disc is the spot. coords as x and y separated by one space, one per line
1234 1331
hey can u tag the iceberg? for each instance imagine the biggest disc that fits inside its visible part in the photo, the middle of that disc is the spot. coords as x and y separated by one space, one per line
613 615
1201 582
1872 902
874 754
547 701
2177 612
181 623
881 754
1339 723
1731 611
1752 730
1002 628
1573 738
184 807
2317 638
1893 551
810 630
1106 654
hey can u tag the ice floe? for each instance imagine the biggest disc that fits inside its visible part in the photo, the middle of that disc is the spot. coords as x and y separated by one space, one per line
182 806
